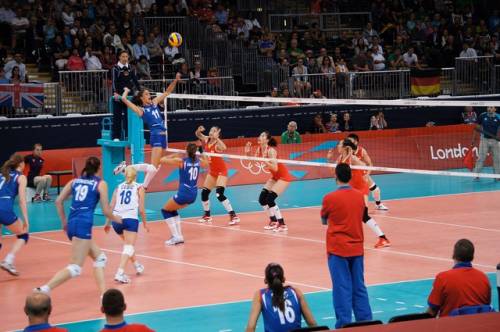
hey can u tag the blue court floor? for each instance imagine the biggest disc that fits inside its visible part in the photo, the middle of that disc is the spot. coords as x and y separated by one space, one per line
387 300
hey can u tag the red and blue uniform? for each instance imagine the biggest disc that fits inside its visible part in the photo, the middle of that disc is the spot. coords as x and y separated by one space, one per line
44 327
188 181
8 192
152 117
124 327
276 320
85 198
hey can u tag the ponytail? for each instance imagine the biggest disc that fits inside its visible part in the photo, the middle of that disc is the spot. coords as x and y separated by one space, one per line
92 165
137 99
130 174
271 141
191 149
275 279
11 164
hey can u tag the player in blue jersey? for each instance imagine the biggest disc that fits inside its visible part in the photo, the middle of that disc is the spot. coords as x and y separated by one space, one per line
12 183
189 170
87 191
282 306
145 106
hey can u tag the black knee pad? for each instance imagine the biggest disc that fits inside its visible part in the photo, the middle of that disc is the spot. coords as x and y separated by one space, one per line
271 199
263 197
24 236
372 188
204 194
219 191
366 217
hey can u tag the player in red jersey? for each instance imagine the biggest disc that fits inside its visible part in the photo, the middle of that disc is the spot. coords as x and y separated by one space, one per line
276 185
359 182
362 155
217 175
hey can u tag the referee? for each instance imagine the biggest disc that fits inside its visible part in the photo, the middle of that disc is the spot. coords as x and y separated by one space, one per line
488 123
123 76
343 211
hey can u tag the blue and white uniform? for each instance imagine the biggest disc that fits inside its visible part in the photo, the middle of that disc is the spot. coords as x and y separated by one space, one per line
8 192
188 179
85 198
127 207
152 117
276 320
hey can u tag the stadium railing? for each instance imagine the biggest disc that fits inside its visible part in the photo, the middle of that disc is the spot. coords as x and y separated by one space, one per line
327 22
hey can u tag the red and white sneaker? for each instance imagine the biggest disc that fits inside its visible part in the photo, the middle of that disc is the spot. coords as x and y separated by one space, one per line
382 243
272 225
37 198
234 220
281 228
205 219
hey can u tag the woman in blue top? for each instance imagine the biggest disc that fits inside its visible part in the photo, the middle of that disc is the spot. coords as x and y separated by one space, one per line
189 170
87 191
12 183
145 106
282 306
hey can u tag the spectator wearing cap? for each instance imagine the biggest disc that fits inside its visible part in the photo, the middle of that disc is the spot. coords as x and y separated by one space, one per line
291 135
38 308
460 288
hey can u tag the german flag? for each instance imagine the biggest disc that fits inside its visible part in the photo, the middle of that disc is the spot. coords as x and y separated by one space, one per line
425 82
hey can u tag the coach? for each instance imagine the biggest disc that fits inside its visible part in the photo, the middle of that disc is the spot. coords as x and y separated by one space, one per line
343 211
123 76
488 124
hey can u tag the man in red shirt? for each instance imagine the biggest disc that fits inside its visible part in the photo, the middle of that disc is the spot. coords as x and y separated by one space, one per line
462 286
113 306
38 308
343 211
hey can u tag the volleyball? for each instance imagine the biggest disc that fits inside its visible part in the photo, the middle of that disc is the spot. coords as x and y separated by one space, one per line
175 39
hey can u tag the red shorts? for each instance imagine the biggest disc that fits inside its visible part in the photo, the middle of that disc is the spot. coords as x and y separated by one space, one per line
216 172
358 182
282 174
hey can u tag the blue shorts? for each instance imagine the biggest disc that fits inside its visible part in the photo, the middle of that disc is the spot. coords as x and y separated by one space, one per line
80 228
7 217
185 197
157 140
128 224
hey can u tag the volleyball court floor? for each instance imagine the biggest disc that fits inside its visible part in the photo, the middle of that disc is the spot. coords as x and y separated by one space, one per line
207 283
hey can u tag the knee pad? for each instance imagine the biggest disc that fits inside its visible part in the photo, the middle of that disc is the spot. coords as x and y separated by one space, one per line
220 194
74 270
24 237
168 214
204 194
263 197
366 217
128 250
271 198
373 187
100 261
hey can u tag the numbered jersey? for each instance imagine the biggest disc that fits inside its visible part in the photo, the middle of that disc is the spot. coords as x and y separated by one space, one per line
152 117
85 197
8 190
188 173
276 320
127 200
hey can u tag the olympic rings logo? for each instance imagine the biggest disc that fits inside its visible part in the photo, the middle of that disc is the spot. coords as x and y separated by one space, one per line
256 167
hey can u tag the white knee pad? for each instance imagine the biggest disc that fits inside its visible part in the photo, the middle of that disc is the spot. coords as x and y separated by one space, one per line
128 250
74 270
101 261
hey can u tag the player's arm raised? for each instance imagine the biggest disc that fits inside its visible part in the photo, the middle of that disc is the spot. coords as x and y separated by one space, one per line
159 99
136 109
199 134
171 160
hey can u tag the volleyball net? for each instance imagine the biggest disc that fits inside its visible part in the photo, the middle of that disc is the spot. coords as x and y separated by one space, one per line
437 155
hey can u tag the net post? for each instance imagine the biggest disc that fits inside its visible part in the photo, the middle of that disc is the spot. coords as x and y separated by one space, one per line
165 123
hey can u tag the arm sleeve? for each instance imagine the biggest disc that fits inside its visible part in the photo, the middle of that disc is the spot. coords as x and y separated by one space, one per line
324 211
114 77
435 299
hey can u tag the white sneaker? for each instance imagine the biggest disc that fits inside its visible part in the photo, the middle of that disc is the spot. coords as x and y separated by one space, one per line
42 289
122 278
205 219
120 168
139 268
174 240
382 207
10 268
234 220
272 225
179 240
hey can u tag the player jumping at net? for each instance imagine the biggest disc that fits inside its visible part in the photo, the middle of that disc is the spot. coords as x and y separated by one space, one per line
362 155
146 107
189 170
217 175
359 182
276 185
87 191
128 202
12 183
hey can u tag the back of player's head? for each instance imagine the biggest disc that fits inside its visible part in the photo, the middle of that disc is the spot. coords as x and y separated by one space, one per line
113 303
343 173
38 305
354 137
130 174
463 251
348 143
92 165
191 149
271 141
275 278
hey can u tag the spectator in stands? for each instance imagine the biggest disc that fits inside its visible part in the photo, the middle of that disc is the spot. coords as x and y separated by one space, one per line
15 77
291 135
16 62
266 44
274 94
342 210
92 62
41 183
295 52
468 52
378 59
360 62
317 126
317 94
327 67
38 308
127 47
411 59
154 49
115 39
333 126
113 306
19 25
375 44
307 42
323 54
300 79
197 72
469 115
214 83
75 61
67 16
310 62
140 48
283 56
396 60
3 80
462 286
381 122
221 15
369 32
108 58
346 124
143 69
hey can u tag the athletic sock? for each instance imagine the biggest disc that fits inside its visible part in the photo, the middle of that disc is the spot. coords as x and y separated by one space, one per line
120 271
374 227
171 225
227 205
9 259
178 226
45 289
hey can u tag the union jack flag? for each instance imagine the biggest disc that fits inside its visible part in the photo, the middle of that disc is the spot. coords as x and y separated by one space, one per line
21 95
